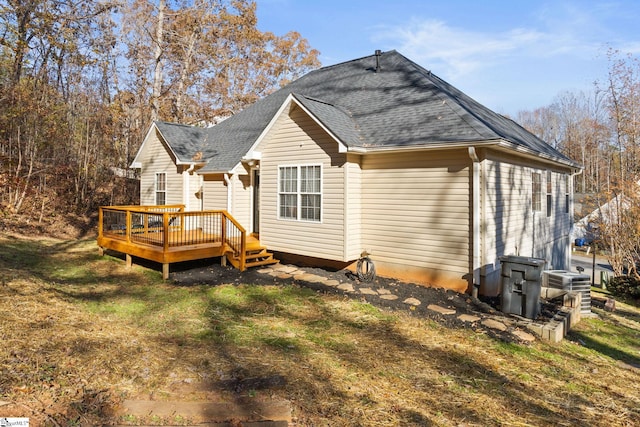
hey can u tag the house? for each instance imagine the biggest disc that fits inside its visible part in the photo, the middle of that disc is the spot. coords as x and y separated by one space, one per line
377 154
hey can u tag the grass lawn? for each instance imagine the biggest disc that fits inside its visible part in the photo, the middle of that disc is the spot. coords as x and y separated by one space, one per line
80 333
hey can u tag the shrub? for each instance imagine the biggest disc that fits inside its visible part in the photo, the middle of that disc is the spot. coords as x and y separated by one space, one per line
625 286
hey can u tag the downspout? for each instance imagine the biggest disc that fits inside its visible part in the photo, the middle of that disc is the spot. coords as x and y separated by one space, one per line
476 234
186 186
229 192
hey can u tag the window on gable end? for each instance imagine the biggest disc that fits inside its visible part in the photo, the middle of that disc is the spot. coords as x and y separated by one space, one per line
161 188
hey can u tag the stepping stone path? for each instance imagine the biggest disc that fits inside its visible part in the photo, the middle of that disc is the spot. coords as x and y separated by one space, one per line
253 413
441 310
494 324
468 318
485 315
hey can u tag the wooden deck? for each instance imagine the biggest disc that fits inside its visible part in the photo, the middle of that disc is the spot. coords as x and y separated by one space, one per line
168 234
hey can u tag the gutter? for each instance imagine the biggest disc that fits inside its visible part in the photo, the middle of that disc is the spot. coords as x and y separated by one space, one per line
499 144
476 212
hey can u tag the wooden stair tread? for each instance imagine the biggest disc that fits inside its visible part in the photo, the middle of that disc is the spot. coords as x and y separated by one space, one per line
255 255
263 262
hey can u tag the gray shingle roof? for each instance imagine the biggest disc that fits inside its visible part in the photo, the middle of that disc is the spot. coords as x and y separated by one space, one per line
400 105
185 141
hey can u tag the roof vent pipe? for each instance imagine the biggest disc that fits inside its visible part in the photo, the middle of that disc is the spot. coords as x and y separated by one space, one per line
378 53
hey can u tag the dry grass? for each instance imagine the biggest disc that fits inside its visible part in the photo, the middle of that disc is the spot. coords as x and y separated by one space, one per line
80 333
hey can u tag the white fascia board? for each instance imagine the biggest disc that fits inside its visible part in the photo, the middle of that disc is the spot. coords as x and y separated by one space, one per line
425 147
252 155
136 164
523 151
342 148
499 144
238 169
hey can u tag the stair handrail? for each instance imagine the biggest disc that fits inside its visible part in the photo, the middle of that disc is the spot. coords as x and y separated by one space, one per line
239 247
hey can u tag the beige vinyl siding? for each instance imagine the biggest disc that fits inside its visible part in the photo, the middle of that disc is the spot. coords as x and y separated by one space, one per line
508 218
215 192
155 158
294 140
353 207
510 224
241 201
415 209
195 203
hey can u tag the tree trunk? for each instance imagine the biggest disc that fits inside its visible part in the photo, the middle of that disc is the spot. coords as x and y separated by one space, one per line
157 75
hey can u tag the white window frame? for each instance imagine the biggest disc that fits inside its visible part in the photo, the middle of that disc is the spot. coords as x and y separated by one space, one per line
157 187
295 193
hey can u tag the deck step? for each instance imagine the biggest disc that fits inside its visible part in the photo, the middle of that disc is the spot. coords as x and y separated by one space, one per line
262 262
258 254
254 257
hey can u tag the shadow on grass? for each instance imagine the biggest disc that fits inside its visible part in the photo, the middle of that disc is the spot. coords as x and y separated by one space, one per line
329 355
301 341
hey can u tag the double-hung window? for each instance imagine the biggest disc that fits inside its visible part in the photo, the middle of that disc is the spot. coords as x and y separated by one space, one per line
161 188
300 192
536 191
549 193
566 194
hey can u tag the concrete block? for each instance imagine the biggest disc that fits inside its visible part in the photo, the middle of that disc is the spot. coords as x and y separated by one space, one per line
536 328
551 293
553 331
572 300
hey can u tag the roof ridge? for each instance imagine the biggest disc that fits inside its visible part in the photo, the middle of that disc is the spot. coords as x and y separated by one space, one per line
350 60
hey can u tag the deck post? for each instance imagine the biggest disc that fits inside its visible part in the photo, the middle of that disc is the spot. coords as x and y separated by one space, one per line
243 250
165 237
128 226
165 271
100 251
129 259
100 220
223 228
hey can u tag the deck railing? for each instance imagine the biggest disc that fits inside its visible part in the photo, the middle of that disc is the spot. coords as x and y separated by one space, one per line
170 227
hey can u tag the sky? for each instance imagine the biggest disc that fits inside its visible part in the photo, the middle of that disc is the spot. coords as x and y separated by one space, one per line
509 55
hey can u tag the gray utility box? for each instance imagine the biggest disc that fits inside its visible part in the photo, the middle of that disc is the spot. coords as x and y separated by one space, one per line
521 283
570 281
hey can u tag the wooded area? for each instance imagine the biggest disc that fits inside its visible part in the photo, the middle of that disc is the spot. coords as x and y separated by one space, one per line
81 81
